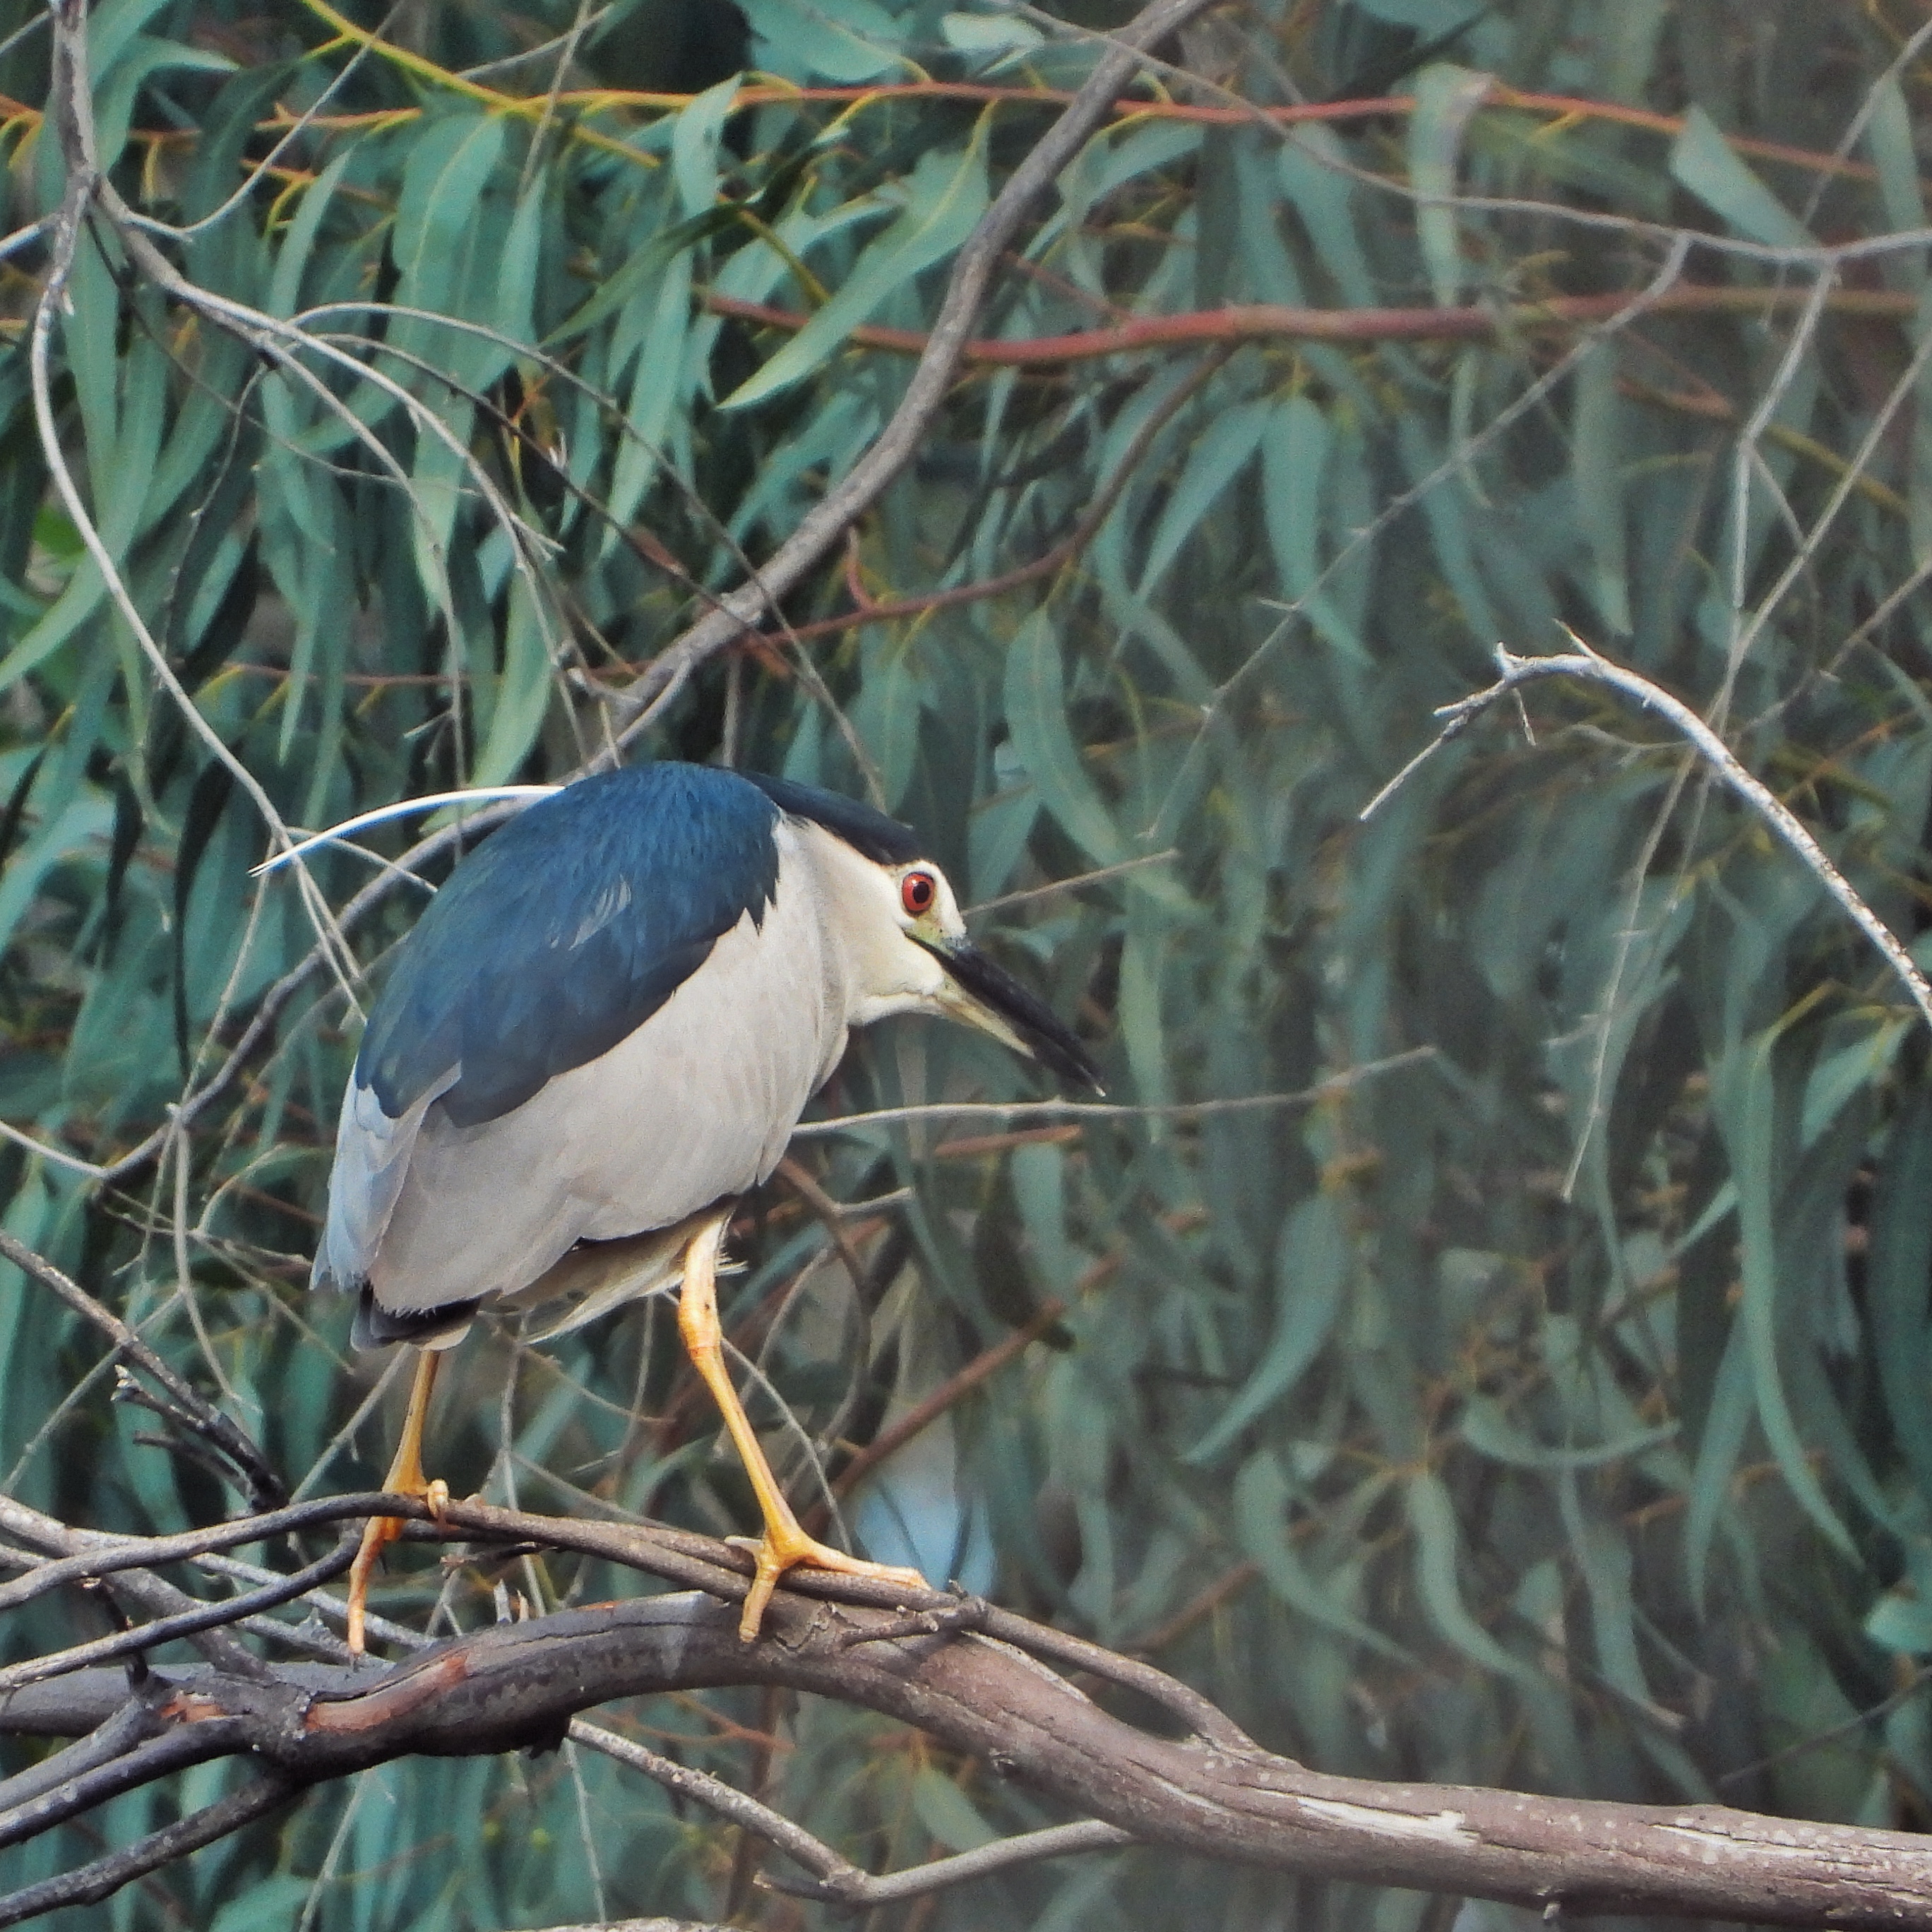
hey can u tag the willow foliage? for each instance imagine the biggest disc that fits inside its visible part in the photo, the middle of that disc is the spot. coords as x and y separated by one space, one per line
1532 1382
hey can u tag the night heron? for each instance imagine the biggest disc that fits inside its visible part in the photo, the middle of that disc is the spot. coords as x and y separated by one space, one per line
601 1032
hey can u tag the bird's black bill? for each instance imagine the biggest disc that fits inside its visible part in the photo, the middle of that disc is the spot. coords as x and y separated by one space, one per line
1038 1027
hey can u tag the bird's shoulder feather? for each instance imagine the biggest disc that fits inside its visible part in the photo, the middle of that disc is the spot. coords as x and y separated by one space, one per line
565 931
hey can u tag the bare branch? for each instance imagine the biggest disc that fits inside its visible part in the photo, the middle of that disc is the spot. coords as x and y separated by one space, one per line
103 1555
1107 1110
106 1876
1056 1841
186 1623
521 1684
837 1877
646 1925
1591 667
261 1485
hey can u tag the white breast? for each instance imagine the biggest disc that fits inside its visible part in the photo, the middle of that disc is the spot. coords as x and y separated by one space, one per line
696 1106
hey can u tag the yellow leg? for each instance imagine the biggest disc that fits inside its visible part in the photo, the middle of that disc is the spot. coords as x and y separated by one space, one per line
405 1478
784 1545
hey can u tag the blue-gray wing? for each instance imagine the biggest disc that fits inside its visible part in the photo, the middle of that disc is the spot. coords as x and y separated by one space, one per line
553 941
372 1161
565 932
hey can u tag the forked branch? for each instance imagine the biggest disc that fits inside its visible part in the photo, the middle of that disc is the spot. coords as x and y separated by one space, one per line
976 1680
1587 666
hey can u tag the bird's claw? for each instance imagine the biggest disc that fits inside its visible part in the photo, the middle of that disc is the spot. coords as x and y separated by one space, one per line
792 1550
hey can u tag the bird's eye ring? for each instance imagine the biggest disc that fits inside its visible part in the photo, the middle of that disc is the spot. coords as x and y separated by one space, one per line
917 892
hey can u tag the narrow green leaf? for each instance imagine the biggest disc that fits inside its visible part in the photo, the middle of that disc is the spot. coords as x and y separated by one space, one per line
1488 1430
1294 460
1748 1110
1445 97
944 196
1890 142
1036 705
1896 1276
523 694
694 146
1217 457
1597 453
292 258
1311 1269
1709 166
843 41
206 803
1259 1520
948 1813
1438 1541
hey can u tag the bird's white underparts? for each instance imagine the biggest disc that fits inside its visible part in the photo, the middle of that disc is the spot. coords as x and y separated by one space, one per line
612 1017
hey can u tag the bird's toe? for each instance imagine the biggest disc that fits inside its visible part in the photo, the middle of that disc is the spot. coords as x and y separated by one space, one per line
776 1555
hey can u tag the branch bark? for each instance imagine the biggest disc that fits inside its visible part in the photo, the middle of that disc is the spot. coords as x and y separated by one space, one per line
519 1685
1274 321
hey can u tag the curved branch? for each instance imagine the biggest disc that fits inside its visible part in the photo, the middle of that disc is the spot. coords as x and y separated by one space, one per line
519 1685
1587 666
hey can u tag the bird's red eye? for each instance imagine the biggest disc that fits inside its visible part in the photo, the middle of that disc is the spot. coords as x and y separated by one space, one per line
917 893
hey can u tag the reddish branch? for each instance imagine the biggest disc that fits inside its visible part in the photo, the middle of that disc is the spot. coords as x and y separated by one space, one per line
1501 98
1267 322
1563 107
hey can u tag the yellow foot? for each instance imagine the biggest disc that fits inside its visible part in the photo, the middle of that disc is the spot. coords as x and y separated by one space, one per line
378 1533
793 1550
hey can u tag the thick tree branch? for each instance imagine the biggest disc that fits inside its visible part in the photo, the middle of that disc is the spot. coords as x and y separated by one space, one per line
520 1685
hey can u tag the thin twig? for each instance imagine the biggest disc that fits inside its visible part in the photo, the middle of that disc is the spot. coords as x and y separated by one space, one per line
105 1555
1590 667
1033 894
1056 1841
187 1623
264 1486
1107 1110
841 1878
175 1749
90 1883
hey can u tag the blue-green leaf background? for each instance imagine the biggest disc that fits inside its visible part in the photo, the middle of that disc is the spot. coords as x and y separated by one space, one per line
1530 1383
